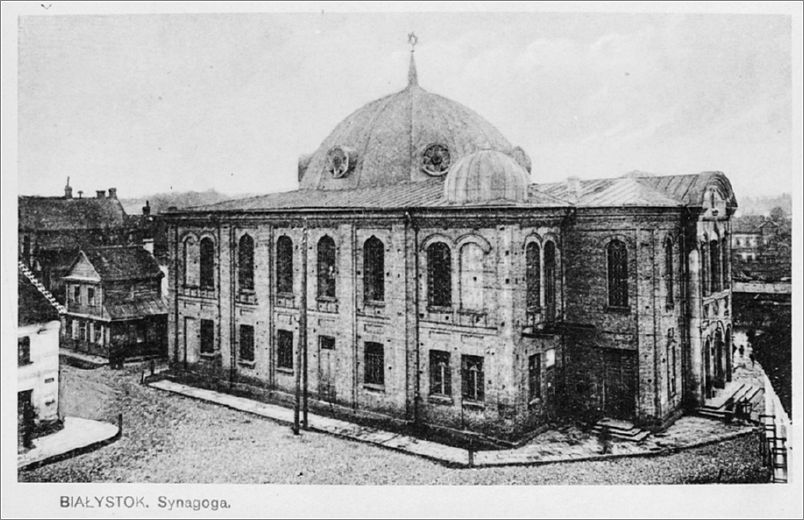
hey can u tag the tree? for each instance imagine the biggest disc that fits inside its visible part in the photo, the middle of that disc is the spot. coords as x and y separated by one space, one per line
777 214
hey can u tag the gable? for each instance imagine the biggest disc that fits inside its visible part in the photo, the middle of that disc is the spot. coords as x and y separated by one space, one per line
83 269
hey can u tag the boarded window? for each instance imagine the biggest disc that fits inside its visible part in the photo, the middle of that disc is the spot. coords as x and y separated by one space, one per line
439 275
535 376
374 364
617 273
284 265
440 373
374 270
284 349
668 274
472 387
23 351
246 343
245 263
472 277
207 263
207 336
326 267
550 280
533 274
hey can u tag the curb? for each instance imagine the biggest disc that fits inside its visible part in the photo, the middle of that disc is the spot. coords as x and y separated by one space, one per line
72 453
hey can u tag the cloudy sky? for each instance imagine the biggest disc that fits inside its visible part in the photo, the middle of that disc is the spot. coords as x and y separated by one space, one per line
152 103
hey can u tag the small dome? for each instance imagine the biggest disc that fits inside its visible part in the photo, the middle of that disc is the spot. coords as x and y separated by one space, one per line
486 176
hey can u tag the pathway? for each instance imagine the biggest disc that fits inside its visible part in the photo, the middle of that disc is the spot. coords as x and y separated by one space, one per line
77 436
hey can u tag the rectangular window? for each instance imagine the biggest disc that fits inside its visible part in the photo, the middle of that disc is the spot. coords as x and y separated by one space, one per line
535 377
99 334
82 330
23 351
374 364
326 342
207 336
472 378
440 373
77 294
246 343
284 349
75 329
90 296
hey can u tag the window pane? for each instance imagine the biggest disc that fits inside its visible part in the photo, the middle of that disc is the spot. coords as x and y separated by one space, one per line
284 265
533 275
24 350
207 263
245 263
374 270
374 364
550 279
472 378
618 274
207 336
439 275
326 267
534 376
246 342
440 374
284 349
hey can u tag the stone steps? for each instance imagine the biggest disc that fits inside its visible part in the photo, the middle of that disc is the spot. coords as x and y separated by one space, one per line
621 430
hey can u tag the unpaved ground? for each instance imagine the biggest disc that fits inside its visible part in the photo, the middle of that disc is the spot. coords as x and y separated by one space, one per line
169 438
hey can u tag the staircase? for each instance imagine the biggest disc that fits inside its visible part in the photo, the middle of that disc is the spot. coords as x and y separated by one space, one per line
41 288
722 407
621 430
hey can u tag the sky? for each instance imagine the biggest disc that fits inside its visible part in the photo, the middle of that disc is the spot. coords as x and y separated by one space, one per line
154 103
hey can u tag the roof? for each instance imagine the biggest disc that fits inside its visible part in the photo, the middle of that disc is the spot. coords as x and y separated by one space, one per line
33 306
120 308
486 176
116 263
60 213
689 189
621 191
424 194
747 224
385 140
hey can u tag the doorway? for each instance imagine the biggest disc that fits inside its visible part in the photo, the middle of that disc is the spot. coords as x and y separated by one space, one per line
618 388
327 367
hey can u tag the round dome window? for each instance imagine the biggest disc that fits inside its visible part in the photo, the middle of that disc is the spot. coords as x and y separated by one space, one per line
338 162
435 160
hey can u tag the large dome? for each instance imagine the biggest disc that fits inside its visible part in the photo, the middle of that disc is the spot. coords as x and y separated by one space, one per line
411 135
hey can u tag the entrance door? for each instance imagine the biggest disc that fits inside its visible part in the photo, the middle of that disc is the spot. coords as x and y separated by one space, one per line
24 419
326 368
619 394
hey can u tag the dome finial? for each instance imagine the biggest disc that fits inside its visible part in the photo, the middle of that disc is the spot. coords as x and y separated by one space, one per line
412 77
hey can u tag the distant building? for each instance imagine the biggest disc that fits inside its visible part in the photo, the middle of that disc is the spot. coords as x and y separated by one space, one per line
433 282
51 230
761 249
37 359
114 299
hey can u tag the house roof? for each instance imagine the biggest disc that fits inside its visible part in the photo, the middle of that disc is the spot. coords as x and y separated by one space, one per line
60 213
115 263
33 307
120 308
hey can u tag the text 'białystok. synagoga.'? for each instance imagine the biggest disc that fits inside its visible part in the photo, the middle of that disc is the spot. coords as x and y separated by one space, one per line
435 284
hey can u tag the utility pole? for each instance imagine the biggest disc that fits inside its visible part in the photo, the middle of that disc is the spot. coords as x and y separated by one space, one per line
303 323
302 329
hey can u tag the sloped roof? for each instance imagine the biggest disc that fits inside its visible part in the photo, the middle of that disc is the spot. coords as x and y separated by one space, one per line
120 308
122 263
59 213
429 193
747 224
621 191
32 305
689 189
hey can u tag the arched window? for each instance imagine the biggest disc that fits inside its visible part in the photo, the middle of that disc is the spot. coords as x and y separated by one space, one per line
472 276
714 269
245 263
725 256
207 263
550 280
284 265
704 267
617 273
439 275
190 263
374 270
326 267
668 274
533 275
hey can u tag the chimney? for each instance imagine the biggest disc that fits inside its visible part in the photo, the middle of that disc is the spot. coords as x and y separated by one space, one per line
574 187
68 191
146 210
80 193
100 194
148 244
112 193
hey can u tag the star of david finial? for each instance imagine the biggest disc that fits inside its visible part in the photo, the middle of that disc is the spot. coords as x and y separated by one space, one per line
412 40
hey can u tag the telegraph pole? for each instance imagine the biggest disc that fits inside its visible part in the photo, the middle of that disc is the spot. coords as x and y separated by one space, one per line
303 324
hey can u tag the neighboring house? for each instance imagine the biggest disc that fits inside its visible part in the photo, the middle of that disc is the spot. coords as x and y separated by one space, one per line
51 230
37 359
114 300
761 249
433 282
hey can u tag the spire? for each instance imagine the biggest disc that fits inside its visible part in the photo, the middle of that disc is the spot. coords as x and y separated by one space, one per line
412 77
